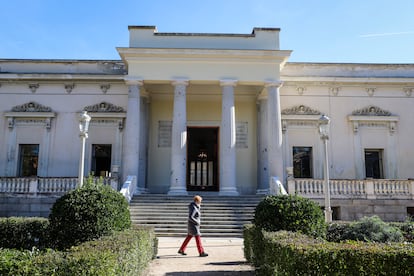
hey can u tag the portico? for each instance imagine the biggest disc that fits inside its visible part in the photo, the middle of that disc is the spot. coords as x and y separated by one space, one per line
207 81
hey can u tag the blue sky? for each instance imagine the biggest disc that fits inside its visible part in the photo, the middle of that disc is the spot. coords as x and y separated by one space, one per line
356 31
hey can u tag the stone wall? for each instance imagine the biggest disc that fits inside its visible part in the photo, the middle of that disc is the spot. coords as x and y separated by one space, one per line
25 206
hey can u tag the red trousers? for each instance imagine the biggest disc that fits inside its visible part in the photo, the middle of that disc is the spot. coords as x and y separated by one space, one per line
198 242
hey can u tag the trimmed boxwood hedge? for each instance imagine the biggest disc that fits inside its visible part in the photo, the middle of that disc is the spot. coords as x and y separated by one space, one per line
290 213
123 253
87 213
23 233
289 253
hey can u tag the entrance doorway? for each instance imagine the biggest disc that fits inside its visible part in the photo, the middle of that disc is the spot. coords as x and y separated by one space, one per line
202 164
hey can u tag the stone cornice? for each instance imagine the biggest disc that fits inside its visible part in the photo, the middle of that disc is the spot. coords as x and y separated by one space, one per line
217 55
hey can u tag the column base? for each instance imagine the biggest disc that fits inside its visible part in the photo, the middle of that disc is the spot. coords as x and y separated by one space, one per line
229 192
177 192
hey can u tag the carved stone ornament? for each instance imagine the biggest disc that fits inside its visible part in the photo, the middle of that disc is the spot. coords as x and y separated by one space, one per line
371 111
300 110
33 87
105 87
69 87
408 91
31 107
104 107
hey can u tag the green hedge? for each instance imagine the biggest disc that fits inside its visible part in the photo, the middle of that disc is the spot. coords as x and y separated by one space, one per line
288 253
337 231
23 233
123 253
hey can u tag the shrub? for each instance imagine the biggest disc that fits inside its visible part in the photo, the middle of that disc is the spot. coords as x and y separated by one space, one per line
289 253
87 213
290 213
123 253
372 229
23 233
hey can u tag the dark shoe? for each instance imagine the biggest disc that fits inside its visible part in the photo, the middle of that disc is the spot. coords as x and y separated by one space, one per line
204 254
182 252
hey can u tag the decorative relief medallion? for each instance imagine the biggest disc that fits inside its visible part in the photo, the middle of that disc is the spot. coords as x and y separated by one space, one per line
105 87
300 90
300 110
69 87
371 111
33 87
31 107
370 91
408 91
104 107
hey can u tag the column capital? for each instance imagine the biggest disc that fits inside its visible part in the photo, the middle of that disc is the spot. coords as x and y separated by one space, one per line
179 81
228 82
130 80
273 83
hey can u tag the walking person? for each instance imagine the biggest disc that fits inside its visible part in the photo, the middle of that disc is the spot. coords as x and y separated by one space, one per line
193 230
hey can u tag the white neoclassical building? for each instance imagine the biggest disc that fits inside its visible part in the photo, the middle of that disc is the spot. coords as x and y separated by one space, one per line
220 114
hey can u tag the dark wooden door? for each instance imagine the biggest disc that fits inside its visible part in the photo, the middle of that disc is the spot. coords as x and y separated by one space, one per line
202 159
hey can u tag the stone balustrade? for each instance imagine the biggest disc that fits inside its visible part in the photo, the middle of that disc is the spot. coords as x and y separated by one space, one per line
38 186
353 188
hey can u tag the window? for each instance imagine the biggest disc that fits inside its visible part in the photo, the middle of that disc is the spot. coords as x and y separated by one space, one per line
373 163
101 160
302 162
28 160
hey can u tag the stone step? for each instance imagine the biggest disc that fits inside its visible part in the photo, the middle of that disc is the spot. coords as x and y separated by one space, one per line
221 216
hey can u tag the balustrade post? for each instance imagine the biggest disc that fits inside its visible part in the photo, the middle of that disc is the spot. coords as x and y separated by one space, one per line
411 187
370 189
33 186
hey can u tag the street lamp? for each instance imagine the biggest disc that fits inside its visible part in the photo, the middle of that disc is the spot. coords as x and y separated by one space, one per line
83 128
324 132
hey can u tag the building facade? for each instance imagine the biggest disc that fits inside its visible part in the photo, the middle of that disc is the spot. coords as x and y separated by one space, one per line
221 114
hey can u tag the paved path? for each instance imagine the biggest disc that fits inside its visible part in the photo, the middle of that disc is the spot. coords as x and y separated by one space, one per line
226 258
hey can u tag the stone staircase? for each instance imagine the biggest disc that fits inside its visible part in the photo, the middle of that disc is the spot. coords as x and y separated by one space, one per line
220 216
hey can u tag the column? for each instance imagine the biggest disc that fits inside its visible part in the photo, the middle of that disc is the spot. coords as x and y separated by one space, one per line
228 141
132 130
274 131
262 166
143 146
179 140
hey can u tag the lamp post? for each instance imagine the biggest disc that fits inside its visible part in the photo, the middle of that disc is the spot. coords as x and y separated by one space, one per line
83 128
324 132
